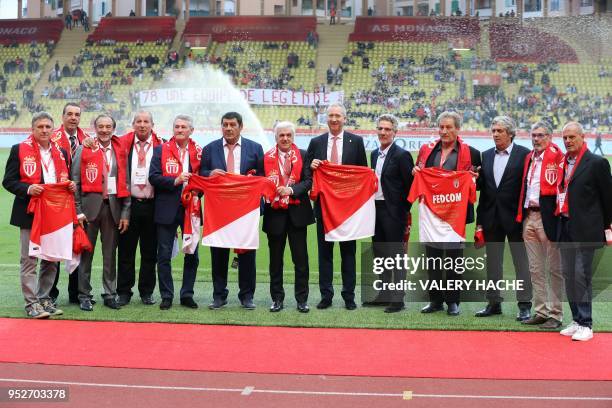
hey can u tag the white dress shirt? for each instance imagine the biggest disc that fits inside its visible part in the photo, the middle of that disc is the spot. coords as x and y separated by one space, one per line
237 154
147 191
48 167
500 162
380 162
339 144
532 195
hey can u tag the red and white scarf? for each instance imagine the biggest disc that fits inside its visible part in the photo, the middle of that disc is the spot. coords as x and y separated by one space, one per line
464 159
30 162
275 172
172 162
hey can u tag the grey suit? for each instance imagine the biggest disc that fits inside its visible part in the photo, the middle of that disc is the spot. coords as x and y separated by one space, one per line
103 217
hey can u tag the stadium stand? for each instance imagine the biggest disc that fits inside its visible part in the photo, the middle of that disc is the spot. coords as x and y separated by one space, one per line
132 29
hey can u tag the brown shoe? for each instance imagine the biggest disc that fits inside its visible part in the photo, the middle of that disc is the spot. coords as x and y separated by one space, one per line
551 324
536 319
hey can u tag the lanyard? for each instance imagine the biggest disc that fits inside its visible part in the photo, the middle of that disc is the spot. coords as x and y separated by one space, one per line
107 163
47 163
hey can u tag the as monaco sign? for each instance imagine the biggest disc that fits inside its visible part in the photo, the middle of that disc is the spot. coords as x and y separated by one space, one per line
275 97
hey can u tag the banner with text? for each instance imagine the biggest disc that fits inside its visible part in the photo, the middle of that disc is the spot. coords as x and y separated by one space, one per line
276 97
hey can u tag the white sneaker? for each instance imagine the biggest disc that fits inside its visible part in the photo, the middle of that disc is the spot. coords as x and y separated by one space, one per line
583 334
570 330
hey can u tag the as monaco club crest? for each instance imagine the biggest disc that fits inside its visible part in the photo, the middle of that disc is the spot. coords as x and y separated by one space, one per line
91 172
29 165
551 174
172 166
456 183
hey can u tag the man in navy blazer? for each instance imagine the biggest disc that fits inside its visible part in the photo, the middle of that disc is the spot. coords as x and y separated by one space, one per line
393 166
500 181
343 148
232 154
168 179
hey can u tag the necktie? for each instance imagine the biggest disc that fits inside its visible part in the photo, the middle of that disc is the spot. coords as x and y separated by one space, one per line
142 154
73 145
105 173
287 167
230 158
334 150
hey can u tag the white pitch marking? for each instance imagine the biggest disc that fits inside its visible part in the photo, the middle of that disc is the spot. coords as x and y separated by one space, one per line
303 392
247 390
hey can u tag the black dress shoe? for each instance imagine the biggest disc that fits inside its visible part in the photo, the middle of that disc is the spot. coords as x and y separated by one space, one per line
189 302
324 304
350 305
248 304
277 306
217 304
303 308
394 307
111 303
165 304
431 308
123 300
86 305
147 299
523 314
490 310
452 309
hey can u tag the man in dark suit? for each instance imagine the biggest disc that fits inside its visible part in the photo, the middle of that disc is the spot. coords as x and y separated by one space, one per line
584 203
139 145
69 136
172 165
537 204
289 215
500 184
232 154
32 164
393 166
102 201
339 147
448 153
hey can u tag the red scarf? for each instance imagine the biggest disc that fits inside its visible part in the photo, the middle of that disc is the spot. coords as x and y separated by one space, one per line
30 163
274 172
171 159
61 139
92 160
128 140
562 186
464 159
548 175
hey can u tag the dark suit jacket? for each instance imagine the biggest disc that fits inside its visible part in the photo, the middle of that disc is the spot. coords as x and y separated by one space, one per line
353 152
590 199
276 221
498 206
396 179
19 217
251 157
167 195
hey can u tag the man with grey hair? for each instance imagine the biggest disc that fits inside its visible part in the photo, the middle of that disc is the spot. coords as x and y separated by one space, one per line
451 153
393 167
536 210
500 184
584 204
32 164
171 166
339 147
139 145
102 201
287 217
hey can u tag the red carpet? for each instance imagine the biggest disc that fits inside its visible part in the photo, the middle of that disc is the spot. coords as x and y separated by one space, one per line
363 352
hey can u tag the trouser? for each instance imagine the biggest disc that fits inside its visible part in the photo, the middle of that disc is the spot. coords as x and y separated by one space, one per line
34 288
142 230
542 252
105 224
299 255
326 266
166 233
